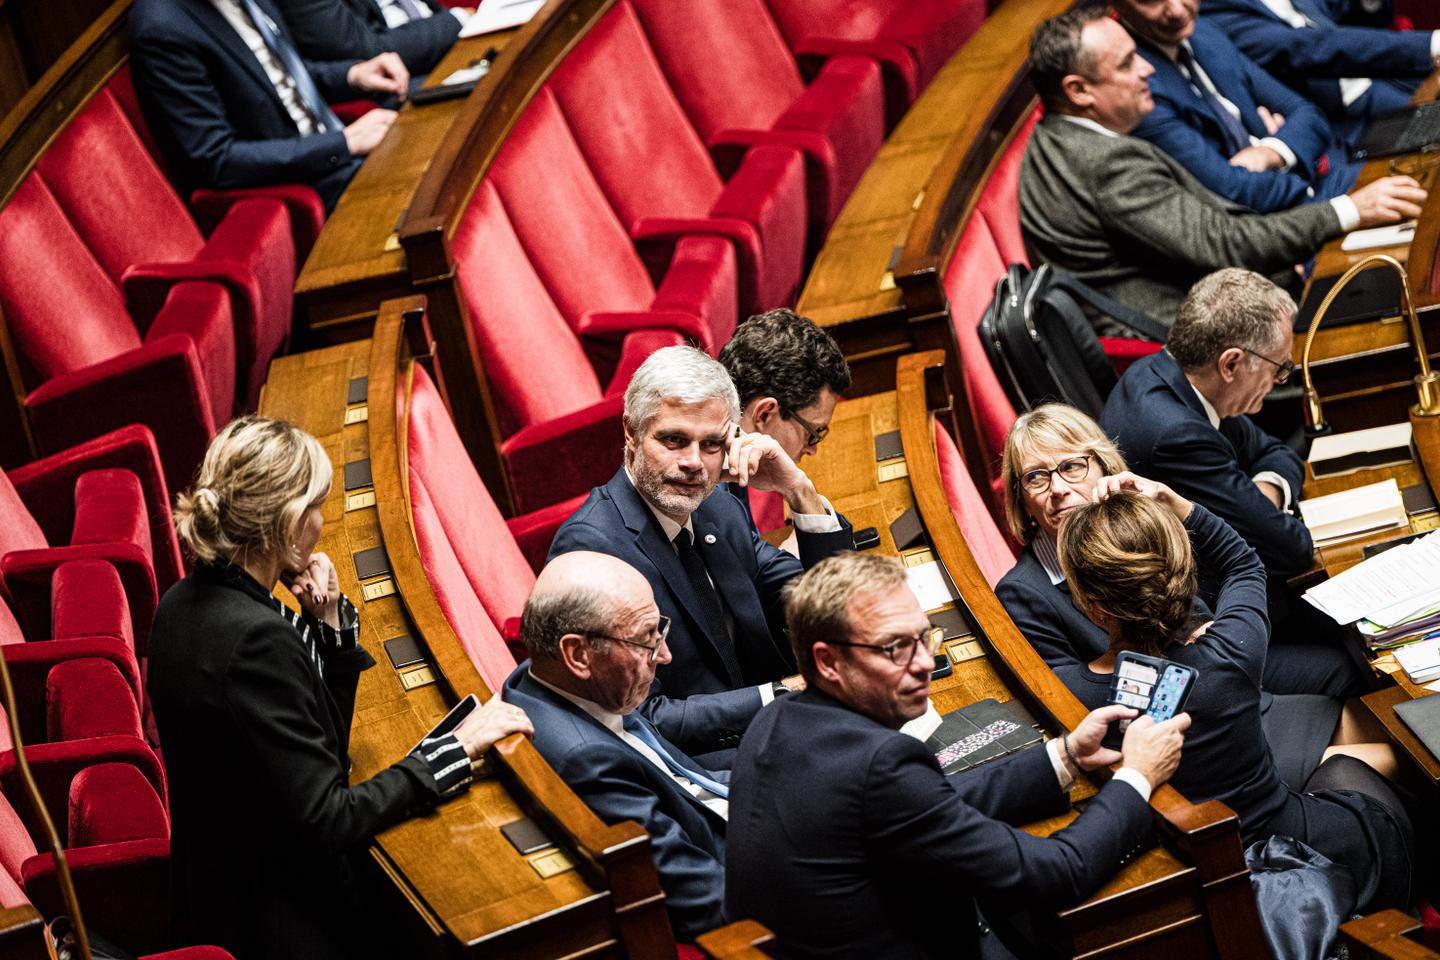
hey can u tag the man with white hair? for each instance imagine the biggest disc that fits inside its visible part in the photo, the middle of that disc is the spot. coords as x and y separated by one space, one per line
712 574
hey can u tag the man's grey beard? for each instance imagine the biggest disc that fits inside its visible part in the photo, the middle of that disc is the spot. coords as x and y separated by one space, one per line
652 487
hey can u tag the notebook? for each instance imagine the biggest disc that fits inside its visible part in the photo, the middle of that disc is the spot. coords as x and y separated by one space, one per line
1407 130
1370 296
1423 718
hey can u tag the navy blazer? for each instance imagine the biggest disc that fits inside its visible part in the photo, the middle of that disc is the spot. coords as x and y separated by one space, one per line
1046 615
842 830
1183 125
686 837
698 704
1313 59
1156 418
356 29
216 114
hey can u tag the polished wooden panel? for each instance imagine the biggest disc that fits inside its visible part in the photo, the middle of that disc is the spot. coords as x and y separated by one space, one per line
742 940
1384 936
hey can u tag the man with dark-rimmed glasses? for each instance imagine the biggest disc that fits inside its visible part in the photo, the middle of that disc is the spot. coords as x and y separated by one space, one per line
842 828
595 638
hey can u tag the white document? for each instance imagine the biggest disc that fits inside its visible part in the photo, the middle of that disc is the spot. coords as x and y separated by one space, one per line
929 585
492 15
1396 235
1342 453
1375 506
1404 578
922 726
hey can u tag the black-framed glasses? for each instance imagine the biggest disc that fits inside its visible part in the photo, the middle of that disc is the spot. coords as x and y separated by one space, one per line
1282 370
1071 470
901 649
813 434
662 628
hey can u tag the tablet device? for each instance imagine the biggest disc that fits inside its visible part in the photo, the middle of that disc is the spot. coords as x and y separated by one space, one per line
1154 686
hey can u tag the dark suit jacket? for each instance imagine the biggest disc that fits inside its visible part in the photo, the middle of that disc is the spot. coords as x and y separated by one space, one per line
842 831
1046 615
255 742
1313 59
697 703
1183 125
687 838
1160 425
1126 218
217 115
356 30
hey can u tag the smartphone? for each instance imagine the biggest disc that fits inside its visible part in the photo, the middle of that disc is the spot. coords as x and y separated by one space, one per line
943 666
1157 688
866 537
452 719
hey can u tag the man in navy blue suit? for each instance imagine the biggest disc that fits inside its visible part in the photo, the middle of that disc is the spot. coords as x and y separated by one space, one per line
233 104
1238 130
842 828
595 638
713 575
789 374
1351 72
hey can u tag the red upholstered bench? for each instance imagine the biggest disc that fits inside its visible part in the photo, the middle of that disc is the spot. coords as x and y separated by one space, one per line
993 552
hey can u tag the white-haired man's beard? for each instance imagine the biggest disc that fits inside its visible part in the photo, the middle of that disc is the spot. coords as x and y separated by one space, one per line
677 492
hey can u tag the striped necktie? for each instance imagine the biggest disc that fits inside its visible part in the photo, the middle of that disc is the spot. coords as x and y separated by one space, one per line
637 726
289 58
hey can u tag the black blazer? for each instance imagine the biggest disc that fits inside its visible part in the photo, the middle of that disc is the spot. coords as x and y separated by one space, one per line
701 708
356 30
842 831
216 114
1156 418
255 742
1046 615
686 837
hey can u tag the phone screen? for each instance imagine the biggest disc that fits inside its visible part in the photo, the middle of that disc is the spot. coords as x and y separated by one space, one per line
1168 692
1134 684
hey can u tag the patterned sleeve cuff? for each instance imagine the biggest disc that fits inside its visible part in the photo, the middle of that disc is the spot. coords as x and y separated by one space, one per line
447 763
347 637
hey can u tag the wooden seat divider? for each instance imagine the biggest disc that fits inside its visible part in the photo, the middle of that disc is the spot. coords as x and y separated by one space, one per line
1385 936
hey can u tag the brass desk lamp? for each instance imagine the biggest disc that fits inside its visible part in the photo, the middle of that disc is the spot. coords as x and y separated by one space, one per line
1425 414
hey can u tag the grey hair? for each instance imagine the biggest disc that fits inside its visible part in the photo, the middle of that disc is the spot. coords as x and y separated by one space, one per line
551 614
1228 308
681 375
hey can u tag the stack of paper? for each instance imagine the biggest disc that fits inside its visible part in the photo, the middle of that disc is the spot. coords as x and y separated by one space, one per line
1390 589
1421 660
1375 506
1342 453
493 15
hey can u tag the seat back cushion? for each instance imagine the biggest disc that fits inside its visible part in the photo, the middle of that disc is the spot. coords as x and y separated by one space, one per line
479 576
1000 198
123 208
619 107
62 310
15 848
112 803
579 248
726 62
87 697
988 545
122 88
535 365
18 529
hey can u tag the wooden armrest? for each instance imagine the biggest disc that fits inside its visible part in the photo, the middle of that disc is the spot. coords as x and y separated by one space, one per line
1384 936
741 940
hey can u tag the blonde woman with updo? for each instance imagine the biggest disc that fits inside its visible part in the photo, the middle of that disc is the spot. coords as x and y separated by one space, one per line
254 704
1130 557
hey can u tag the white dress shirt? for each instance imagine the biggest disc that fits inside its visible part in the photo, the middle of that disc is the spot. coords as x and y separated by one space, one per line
1265 476
278 76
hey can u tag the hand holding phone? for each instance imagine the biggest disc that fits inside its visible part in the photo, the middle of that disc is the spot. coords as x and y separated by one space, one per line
1157 688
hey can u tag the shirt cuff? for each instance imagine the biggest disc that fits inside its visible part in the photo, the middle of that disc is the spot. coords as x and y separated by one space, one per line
1282 148
1136 779
825 522
1270 476
1057 761
460 15
447 763
1346 210
347 637
767 694
1435 46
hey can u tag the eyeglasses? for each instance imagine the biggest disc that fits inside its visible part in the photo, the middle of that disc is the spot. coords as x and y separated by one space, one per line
813 434
1072 470
662 628
901 649
1282 370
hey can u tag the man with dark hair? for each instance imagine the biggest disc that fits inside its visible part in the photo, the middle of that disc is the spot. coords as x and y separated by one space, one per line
595 638
789 375
1127 218
841 826
419 31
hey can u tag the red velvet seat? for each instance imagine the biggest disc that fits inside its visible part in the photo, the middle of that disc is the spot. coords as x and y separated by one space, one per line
141 234
1000 197
583 254
76 506
992 551
85 367
740 86
619 107
561 430
911 39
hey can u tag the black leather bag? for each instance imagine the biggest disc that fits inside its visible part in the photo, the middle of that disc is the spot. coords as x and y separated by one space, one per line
1043 347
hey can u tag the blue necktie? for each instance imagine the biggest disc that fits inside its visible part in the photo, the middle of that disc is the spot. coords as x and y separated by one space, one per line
1235 135
409 9
280 48
639 728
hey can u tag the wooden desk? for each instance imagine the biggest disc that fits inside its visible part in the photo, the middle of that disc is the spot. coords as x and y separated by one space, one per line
1191 895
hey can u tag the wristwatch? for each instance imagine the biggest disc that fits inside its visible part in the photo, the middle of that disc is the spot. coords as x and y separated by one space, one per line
779 689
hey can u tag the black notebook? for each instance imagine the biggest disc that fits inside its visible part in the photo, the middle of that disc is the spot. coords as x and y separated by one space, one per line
1407 130
986 730
1371 295
1423 718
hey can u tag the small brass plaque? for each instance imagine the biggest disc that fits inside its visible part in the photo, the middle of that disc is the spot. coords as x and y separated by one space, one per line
357 414
378 588
392 243
417 677
918 557
359 501
1426 521
893 470
550 863
964 649
887 281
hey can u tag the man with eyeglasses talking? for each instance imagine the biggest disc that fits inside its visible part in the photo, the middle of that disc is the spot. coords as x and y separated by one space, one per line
842 828
595 638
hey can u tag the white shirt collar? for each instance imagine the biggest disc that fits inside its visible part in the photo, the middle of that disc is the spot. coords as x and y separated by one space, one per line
669 526
609 719
1089 124
1048 554
1210 413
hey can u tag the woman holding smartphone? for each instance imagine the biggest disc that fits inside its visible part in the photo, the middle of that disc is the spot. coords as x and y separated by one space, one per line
1129 562
254 702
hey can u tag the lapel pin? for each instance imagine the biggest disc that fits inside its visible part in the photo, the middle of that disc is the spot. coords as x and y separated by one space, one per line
709 538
